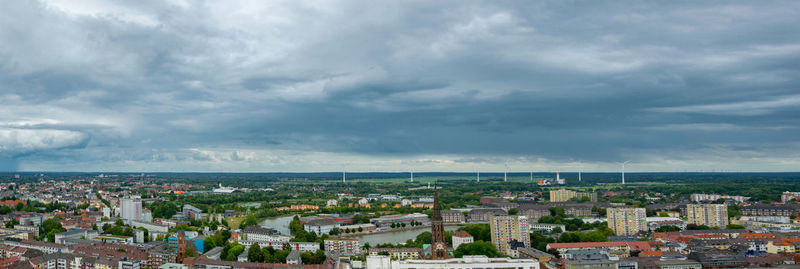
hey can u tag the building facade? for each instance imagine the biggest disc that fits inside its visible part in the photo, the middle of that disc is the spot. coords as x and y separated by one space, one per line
508 229
627 221
711 215
461 237
342 246
131 208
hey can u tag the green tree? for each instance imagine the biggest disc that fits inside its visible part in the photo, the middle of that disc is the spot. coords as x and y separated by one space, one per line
255 254
190 252
11 223
477 248
50 228
280 256
668 228
478 231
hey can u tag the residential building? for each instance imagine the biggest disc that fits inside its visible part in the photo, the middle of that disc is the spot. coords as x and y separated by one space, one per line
342 246
483 214
320 226
453 216
533 211
771 210
304 246
711 215
506 230
258 233
627 221
332 203
294 258
131 208
702 197
191 212
461 237
397 253
564 195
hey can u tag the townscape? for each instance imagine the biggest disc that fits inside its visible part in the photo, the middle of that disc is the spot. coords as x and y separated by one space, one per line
131 221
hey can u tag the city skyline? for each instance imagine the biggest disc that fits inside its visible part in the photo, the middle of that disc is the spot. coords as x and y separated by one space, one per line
444 86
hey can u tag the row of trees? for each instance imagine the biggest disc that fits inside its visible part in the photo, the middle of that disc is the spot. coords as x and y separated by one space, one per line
270 255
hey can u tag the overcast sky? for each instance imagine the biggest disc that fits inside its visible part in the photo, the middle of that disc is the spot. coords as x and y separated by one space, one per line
399 85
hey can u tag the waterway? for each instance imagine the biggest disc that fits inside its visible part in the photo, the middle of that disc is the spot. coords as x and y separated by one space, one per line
280 224
396 237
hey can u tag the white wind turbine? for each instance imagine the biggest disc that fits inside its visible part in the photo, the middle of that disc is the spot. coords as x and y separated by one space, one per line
623 171
505 174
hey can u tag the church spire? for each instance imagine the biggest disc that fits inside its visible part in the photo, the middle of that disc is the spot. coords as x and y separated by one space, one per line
438 245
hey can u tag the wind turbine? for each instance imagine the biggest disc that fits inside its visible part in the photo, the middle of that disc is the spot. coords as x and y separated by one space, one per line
505 174
623 171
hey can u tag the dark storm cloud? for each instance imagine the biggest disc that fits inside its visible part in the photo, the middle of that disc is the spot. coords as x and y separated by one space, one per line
187 85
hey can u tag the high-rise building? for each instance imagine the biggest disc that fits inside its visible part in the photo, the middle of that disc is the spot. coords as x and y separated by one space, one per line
131 208
564 195
711 215
627 221
561 195
507 231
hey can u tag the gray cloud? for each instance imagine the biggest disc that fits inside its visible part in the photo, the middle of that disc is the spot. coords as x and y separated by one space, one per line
299 86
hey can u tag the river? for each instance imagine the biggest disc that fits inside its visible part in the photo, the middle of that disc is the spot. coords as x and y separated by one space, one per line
281 224
396 237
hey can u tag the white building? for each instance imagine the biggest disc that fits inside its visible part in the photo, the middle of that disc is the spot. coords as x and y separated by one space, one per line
106 212
405 202
342 246
151 227
546 227
467 262
332 203
263 235
131 208
304 246
462 237
320 226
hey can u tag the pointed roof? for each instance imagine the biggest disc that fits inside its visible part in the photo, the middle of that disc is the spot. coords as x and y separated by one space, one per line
437 214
